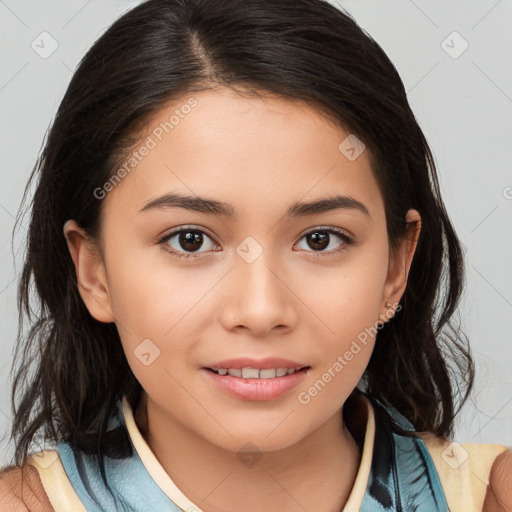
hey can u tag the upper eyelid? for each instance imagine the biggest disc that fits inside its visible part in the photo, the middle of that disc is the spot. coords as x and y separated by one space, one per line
328 228
304 233
175 231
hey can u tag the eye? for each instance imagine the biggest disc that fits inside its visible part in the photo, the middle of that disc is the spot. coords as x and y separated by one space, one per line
322 238
188 239
186 242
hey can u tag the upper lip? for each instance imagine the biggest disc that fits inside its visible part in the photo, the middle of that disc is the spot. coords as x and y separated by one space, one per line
262 364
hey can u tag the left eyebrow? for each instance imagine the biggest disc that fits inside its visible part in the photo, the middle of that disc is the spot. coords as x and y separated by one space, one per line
212 207
327 205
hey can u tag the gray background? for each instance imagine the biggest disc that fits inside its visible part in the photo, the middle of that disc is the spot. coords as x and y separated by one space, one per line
462 100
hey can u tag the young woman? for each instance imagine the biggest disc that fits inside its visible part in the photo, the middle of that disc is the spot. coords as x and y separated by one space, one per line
246 276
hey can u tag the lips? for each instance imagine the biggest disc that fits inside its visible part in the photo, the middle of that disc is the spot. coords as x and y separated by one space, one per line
255 388
248 378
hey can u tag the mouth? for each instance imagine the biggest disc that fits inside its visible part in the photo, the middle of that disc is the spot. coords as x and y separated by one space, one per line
253 383
258 379
258 373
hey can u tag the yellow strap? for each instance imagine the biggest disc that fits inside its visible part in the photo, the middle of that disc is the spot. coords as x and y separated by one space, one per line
463 470
55 481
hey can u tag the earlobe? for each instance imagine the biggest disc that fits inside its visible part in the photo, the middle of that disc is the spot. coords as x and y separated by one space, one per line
90 272
401 259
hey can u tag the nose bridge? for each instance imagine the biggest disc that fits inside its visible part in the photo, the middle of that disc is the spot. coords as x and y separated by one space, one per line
258 299
253 270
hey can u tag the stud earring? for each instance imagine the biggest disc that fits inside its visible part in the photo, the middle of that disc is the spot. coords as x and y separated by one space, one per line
388 305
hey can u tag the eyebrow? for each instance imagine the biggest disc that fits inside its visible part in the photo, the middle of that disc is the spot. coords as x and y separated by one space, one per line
212 207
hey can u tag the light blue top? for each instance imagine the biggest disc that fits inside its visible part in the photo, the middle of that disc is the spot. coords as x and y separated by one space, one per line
402 478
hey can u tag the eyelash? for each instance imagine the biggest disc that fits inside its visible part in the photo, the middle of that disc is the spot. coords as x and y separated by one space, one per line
347 241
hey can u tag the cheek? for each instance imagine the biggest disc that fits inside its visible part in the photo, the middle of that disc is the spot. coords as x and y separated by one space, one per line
154 315
347 302
160 309
150 293
347 297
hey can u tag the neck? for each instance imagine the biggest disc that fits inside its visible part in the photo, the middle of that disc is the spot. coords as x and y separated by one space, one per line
217 480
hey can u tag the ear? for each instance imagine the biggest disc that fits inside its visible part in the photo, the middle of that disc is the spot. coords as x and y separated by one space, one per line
90 272
400 261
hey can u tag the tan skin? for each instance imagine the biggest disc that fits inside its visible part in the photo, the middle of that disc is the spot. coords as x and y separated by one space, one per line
287 303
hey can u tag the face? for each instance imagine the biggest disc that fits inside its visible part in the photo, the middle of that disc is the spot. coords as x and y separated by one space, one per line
278 258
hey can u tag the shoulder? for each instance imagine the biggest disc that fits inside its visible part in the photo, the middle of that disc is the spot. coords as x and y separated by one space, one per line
21 490
499 490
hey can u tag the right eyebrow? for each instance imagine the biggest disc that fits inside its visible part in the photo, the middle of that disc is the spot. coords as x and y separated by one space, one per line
197 204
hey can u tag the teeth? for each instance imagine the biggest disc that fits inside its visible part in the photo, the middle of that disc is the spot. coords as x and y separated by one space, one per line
255 373
250 373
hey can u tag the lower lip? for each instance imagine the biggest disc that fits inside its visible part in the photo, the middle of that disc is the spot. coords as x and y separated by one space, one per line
256 389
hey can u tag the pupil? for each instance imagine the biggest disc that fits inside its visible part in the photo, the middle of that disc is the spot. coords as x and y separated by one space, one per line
189 238
320 240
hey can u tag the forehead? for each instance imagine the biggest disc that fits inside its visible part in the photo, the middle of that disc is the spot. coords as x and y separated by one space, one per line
252 152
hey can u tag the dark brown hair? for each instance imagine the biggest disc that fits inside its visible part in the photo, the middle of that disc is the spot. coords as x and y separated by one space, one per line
70 369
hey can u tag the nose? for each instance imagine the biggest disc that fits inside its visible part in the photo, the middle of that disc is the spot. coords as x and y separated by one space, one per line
259 298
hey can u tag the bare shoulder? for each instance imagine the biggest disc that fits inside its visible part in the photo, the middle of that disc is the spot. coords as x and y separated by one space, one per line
21 490
499 490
